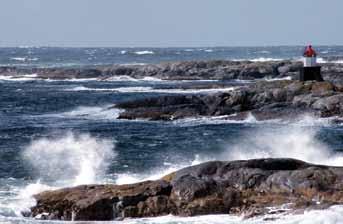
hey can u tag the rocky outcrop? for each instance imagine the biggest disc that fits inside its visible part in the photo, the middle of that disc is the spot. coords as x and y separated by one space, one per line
239 187
188 70
209 70
265 100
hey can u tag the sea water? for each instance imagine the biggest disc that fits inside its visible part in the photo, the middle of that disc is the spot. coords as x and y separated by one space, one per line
55 134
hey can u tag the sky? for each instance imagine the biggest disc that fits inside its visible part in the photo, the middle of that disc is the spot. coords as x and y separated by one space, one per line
170 23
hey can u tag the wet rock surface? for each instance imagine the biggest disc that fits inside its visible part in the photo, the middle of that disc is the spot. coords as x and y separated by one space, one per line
264 100
246 187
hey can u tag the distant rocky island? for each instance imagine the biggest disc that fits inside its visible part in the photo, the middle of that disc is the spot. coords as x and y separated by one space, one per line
188 70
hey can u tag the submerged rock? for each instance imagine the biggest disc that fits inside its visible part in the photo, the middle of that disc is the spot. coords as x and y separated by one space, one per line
238 187
265 100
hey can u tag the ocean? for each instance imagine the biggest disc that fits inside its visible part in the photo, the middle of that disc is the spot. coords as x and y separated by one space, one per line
74 57
63 133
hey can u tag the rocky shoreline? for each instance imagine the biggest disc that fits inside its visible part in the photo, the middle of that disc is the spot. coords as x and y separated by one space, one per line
264 100
187 70
249 188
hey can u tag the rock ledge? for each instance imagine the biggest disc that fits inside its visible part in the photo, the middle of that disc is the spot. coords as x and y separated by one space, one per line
246 187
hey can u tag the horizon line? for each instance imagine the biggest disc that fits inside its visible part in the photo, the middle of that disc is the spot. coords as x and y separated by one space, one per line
164 47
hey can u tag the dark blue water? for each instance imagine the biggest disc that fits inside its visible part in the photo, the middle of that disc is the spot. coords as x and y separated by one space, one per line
74 57
49 128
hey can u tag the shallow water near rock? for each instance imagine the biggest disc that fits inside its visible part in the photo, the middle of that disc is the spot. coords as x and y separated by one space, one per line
55 134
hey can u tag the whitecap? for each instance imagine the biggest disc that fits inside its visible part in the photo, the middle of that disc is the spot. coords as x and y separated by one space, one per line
144 52
27 77
131 79
106 112
264 52
321 60
126 78
262 59
305 120
209 50
71 80
23 59
143 89
18 59
324 61
224 119
278 79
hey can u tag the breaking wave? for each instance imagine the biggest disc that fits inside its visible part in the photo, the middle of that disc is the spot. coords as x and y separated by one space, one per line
35 77
143 89
262 59
24 59
131 79
298 142
144 52
305 120
107 112
129 178
325 61
28 77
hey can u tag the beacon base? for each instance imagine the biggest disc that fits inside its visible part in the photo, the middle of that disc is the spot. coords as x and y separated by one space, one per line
311 73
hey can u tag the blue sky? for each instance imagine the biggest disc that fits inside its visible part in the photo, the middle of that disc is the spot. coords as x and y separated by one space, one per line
170 23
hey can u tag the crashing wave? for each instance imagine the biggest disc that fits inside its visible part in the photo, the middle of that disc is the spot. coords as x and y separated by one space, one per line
61 161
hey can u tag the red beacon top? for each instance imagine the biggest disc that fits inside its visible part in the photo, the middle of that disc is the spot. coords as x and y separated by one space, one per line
309 52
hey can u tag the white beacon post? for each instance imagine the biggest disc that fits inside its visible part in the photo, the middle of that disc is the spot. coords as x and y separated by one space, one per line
310 61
